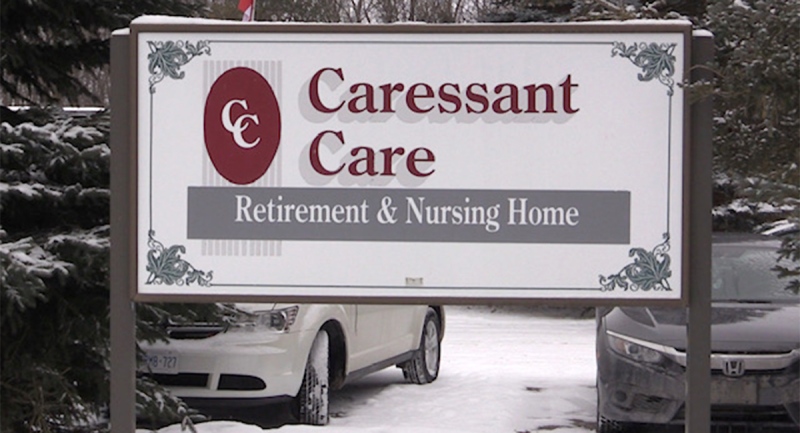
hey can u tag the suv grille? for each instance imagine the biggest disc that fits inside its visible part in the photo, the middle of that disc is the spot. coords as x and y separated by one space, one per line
196 331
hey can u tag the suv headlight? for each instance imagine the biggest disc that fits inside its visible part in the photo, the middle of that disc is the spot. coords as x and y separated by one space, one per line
280 320
634 350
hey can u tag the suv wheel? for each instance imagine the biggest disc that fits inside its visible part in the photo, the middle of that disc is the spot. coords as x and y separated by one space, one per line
311 403
424 366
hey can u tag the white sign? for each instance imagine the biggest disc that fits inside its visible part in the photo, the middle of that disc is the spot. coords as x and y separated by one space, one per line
411 162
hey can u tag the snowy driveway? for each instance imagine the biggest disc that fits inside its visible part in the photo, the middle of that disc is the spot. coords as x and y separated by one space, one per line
501 372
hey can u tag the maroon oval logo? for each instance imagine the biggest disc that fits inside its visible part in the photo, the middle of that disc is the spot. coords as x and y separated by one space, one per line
242 125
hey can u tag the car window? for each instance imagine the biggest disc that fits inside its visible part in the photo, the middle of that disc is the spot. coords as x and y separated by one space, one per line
743 272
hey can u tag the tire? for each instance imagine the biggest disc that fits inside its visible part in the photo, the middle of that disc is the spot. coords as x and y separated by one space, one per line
423 367
311 403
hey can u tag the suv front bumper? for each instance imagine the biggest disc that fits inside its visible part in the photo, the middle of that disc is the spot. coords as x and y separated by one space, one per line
244 366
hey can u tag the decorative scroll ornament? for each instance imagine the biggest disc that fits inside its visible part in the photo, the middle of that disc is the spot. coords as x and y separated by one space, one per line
167 267
655 60
650 270
166 59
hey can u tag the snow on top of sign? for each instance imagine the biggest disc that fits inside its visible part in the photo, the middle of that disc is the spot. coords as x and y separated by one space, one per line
635 22
702 33
164 19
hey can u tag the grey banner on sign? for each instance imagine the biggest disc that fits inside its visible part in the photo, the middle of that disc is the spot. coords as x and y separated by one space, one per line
409 215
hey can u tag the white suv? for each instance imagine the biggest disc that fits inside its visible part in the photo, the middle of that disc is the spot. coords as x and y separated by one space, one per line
280 352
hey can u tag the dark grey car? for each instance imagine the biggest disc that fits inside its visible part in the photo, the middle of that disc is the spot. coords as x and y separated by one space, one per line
755 361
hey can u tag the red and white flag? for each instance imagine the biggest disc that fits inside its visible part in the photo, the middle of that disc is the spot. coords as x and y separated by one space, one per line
248 9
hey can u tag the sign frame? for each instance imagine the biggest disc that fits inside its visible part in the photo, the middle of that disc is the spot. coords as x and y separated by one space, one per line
678 240
697 238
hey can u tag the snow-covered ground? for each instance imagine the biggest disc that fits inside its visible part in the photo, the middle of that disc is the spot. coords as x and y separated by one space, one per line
501 372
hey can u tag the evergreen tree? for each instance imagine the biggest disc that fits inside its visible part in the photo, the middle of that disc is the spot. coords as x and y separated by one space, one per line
757 88
49 49
53 273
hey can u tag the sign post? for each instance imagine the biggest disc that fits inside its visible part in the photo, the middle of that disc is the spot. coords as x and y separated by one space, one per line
698 368
122 318
407 164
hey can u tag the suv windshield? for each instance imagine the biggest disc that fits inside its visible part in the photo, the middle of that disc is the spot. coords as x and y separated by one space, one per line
742 271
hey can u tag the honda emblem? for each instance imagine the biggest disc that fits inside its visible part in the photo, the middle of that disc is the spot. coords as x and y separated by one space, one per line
733 367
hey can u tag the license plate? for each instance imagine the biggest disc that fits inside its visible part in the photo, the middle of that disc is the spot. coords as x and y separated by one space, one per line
734 391
162 362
